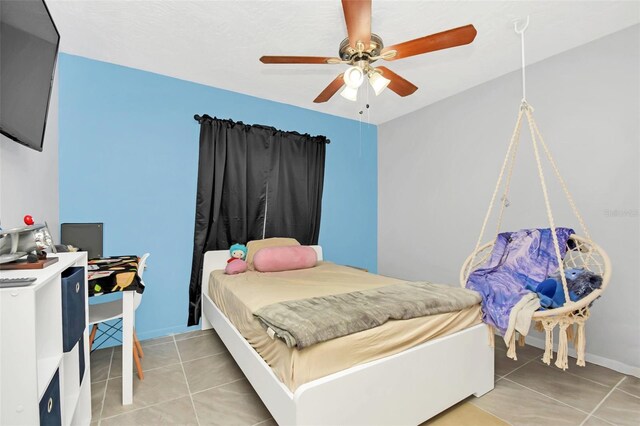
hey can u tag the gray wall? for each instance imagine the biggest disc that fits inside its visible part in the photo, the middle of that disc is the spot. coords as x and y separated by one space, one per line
438 167
29 179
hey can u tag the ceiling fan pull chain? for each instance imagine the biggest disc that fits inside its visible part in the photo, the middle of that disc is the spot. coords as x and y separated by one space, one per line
521 32
367 106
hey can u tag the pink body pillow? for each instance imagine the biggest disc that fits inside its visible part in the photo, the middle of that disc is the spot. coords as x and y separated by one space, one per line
237 266
276 259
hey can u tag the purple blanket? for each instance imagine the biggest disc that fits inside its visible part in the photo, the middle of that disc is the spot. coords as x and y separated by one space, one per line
518 258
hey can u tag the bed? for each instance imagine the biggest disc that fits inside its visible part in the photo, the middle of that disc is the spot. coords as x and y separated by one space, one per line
403 372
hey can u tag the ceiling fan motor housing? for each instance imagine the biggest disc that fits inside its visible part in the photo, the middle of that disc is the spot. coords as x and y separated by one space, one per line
351 55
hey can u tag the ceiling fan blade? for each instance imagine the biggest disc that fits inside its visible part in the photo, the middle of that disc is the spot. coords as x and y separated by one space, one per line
398 84
298 60
357 15
433 42
330 90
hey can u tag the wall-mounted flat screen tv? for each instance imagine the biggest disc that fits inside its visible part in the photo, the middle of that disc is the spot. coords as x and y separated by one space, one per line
28 51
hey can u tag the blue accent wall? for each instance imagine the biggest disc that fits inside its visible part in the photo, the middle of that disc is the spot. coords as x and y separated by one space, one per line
128 157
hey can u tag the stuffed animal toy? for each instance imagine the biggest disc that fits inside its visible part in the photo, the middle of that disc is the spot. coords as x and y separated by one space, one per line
236 264
551 293
579 283
237 251
582 282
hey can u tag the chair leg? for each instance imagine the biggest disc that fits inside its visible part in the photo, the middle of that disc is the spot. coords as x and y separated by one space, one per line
94 329
137 343
136 358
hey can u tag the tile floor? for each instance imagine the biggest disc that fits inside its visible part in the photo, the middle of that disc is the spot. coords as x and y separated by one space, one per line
191 379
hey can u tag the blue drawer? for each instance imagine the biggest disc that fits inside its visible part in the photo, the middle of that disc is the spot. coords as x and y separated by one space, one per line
50 414
73 310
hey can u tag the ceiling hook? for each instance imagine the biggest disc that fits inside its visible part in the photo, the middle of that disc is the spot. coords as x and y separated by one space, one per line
524 23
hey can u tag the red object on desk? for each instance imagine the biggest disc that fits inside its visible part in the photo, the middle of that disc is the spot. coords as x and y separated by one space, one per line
28 220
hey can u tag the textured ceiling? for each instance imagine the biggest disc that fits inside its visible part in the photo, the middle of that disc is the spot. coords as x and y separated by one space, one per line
218 43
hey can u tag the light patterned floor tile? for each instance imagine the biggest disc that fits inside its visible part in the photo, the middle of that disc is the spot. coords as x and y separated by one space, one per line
504 365
602 375
194 333
549 380
177 412
100 362
223 396
163 384
620 408
232 404
156 341
97 395
595 421
631 385
200 346
216 370
155 356
520 406
529 352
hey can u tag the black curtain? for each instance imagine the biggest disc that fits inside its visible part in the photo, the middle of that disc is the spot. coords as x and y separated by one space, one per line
253 182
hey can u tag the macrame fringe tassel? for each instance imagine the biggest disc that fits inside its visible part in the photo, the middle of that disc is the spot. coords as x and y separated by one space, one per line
548 345
539 327
521 340
581 344
562 360
571 336
511 350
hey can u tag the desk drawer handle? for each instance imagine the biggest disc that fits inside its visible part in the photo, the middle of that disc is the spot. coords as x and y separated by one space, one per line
50 405
77 286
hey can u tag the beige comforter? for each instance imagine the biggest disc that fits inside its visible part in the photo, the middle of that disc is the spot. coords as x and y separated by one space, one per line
239 296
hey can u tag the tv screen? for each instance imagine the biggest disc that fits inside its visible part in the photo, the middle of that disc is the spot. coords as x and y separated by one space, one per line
28 51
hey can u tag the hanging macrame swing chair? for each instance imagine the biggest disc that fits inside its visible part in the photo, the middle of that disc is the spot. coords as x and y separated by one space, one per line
581 251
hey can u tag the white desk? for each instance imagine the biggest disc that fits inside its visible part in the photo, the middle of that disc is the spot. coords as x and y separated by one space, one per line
125 309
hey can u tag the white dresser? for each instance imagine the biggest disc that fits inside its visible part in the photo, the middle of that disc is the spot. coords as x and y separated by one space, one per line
44 351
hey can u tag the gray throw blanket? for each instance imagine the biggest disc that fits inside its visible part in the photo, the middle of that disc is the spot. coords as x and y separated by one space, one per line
304 322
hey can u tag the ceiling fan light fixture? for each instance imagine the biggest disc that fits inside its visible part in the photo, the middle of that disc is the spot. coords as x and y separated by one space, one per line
353 77
378 82
350 93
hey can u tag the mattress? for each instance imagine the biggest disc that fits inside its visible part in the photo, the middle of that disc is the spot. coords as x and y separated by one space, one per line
238 296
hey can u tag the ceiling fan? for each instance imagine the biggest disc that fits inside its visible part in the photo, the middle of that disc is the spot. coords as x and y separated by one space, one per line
363 47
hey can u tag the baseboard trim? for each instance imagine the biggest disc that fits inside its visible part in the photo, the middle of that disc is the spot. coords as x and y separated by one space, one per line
594 359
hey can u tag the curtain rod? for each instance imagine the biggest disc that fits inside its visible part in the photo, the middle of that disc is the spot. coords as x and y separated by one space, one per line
201 118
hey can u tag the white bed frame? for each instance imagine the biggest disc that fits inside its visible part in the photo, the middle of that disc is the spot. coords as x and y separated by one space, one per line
403 389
